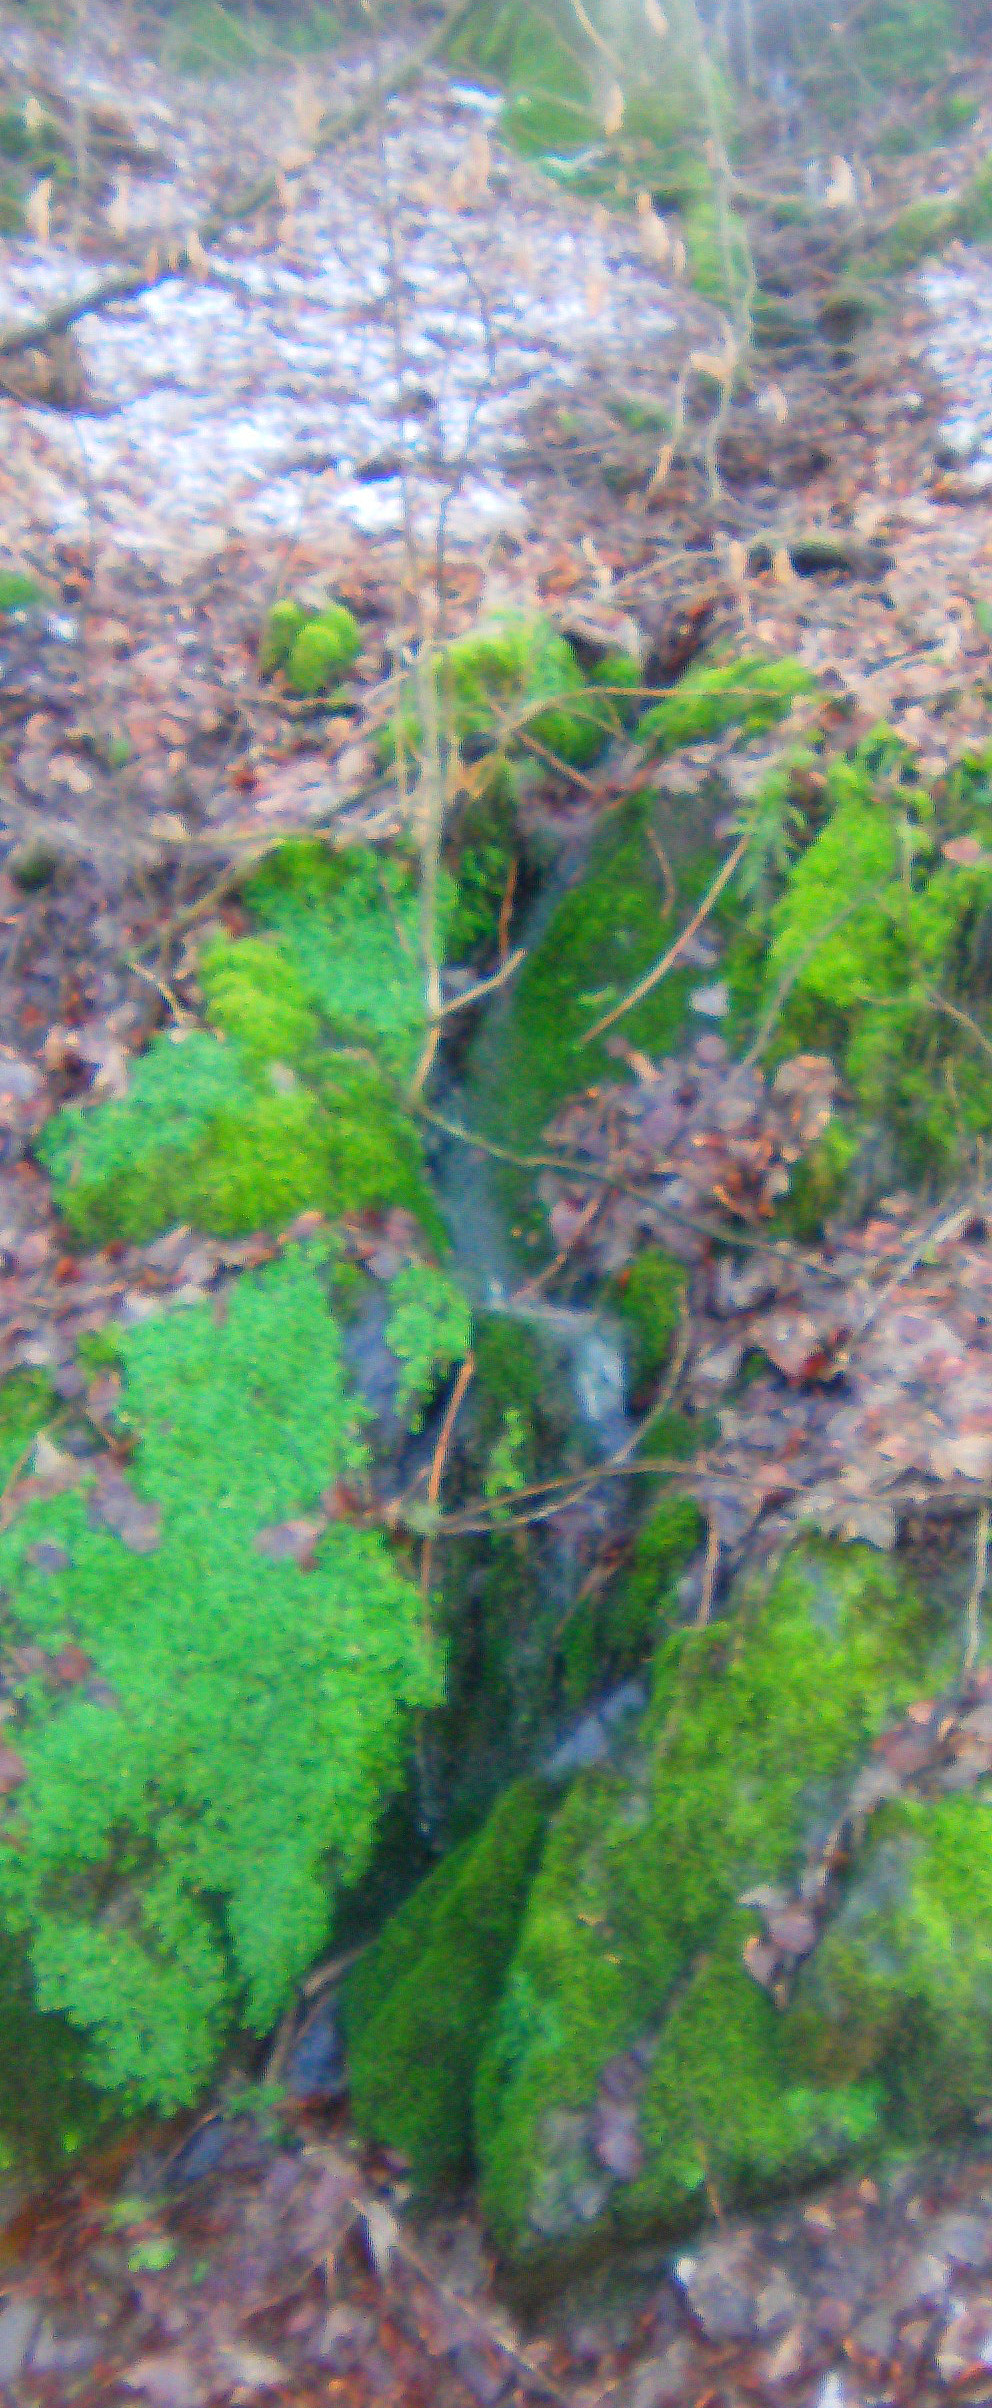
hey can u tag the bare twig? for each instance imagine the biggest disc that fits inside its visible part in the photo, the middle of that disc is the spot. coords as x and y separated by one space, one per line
711 1566
485 986
653 978
981 1573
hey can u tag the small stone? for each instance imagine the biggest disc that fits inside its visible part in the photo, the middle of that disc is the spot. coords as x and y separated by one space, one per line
712 1002
719 2290
965 2240
966 2346
664 2382
776 2304
616 2140
19 2322
346 2331
62 2351
797 2352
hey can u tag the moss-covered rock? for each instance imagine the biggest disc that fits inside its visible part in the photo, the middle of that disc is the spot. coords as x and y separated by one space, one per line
601 936
277 1113
421 2001
876 919
632 1935
650 1298
323 651
752 694
200 1139
314 648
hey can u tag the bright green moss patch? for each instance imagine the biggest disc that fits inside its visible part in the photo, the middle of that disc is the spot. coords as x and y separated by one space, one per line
196 1139
171 1859
283 625
716 694
420 2003
18 592
349 923
298 1107
314 648
507 671
323 651
254 994
200 1138
429 1327
875 921
903 1977
513 688
633 1932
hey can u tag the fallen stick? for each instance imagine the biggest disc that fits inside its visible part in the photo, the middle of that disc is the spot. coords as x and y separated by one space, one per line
186 258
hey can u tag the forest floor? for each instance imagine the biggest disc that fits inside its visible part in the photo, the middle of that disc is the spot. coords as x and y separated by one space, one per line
420 330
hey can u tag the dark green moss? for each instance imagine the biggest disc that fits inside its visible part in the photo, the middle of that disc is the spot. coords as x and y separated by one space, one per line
27 1402
916 923
650 1299
603 935
481 853
419 2005
633 1931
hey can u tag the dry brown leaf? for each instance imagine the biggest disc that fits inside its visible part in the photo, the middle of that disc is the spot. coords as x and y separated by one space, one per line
842 191
38 211
613 111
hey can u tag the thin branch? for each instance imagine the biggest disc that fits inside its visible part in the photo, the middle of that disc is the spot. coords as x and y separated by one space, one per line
486 986
653 978
439 1458
591 1173
981 1573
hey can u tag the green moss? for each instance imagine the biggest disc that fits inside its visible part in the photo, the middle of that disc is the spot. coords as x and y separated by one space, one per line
611 1636
713 695
171 1859
285 621
507 669
254 994
420 2003
633 1932
902 1980
198 1138
482 850
18 592
323 651
650 1299
349 923
923 226
429 1327
915 924
48 2109
601 937
27 1402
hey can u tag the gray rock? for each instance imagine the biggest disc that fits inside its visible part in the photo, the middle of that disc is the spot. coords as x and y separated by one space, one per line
19 2321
